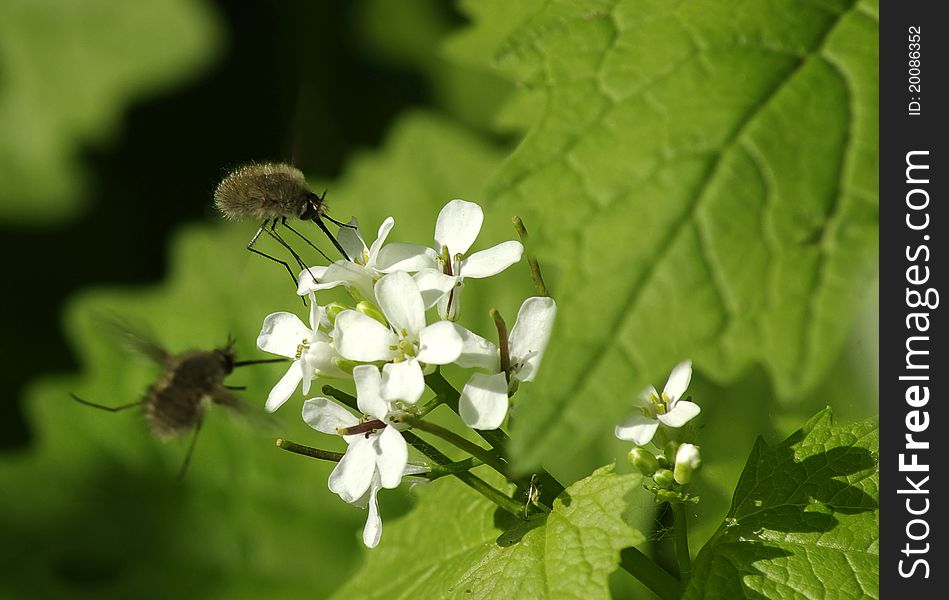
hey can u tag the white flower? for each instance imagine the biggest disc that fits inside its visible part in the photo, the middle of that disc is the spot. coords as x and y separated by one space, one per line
405 343
360 275
350 238
376 456
687 461
456 228
653 408
484 399
311 348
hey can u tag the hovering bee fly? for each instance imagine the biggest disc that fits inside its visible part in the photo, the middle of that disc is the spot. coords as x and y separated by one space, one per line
189 383
271 193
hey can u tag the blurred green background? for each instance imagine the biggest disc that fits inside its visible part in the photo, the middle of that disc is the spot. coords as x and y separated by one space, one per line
116 125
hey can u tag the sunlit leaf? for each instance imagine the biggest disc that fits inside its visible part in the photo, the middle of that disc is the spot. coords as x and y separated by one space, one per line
804 521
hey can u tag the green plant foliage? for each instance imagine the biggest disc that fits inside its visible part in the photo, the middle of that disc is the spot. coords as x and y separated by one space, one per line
710 169
93 506
68 69
456 544
803 520
410 35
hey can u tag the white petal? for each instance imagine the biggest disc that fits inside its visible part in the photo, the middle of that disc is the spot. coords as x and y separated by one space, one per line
531 333
678 380
352 475
637 428
320 359
680 414
439 344
392 454
476 352
405 257
357 278
285 387
372 532
352 241
402 381
308 376
401 303
281 333
313 279
368 385
491 261
458 225
316 314
483 403
384 230
325 416
360 337
433 285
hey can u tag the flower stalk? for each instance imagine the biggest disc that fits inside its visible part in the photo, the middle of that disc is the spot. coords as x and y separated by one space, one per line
536 277
487 457
502 343
471 480
309 451
497 439
683 558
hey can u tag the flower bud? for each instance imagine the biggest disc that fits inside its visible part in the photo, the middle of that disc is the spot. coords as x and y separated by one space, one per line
333 309
369 309
663 478
688 460
643 460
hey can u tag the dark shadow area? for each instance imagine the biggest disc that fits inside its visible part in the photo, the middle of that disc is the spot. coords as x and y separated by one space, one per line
515 529
102 542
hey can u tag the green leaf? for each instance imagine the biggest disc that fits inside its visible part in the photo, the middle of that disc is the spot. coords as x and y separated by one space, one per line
92 508
68 70
453 545
804 521
709 171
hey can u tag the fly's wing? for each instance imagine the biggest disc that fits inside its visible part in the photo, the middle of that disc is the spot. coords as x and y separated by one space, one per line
248 412
135 340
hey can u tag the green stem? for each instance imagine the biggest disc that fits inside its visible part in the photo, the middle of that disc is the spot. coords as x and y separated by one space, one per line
503 350
461 443
683 558
536 277
308 451
439 471
473 481
429 406
650 574
550 487
341 396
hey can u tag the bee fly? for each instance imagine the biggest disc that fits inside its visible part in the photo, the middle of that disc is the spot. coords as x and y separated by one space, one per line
190 382
272 193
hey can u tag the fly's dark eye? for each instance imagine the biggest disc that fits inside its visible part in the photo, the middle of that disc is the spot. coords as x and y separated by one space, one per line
308 211
227 360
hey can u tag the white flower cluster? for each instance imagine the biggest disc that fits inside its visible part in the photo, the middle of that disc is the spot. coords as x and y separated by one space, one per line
401 326
653 411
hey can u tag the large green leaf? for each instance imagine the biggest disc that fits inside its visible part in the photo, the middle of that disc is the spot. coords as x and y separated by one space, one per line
92 508
453 546
804 521
701 179
68 68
